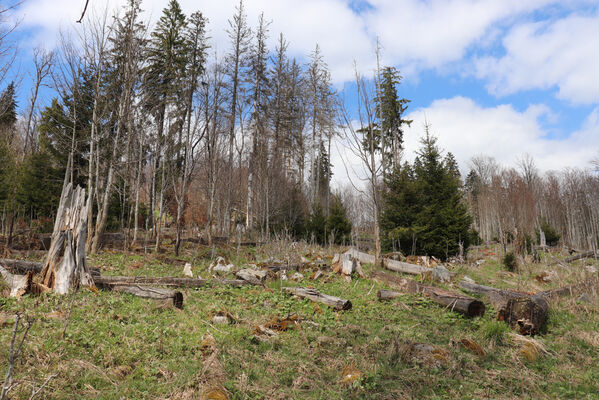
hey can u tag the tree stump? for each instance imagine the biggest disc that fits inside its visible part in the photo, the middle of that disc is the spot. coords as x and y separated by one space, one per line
66 264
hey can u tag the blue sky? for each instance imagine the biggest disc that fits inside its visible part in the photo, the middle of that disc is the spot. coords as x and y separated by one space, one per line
495 77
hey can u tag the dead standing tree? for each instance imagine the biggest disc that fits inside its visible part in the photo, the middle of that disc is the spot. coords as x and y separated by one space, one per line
66 264
362 143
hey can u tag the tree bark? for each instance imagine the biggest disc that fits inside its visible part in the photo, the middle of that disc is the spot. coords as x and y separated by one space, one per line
454 301
149 292
519 310
22 267
166 281
393 265
314 295
66 264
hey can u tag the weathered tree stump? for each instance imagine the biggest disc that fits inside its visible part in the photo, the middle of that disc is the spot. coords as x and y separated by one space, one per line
66 264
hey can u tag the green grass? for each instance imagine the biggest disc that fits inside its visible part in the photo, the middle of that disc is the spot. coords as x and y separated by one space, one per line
119 346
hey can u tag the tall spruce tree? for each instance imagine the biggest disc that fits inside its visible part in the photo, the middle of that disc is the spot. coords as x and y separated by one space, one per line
338 225
424 212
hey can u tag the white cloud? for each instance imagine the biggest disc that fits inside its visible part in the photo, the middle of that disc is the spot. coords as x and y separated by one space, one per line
415 34
542 55
467 129
432 33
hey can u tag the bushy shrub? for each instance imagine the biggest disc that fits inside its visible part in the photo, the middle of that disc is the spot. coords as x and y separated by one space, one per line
551 236
509 261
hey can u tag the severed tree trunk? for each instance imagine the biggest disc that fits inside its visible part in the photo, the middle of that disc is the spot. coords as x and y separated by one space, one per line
66 264
454 301
314 295
519 310
148 292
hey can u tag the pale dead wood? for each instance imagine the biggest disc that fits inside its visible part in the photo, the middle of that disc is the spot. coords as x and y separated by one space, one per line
314 295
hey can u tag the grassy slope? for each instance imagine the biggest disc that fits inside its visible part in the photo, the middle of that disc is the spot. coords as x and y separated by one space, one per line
119 346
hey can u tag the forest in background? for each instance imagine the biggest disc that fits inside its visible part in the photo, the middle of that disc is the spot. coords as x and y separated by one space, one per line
165 133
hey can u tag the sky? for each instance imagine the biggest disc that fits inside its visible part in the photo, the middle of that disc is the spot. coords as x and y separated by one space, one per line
501 78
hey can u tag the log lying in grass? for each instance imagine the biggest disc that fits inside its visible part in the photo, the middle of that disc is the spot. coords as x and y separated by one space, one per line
387 295
18 283
22 267
406 268
254 276
314 295
166 281
282 267
393 265
520 310
587 254
149 292
454 301
150 280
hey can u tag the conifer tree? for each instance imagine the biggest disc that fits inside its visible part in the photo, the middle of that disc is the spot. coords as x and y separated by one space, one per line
424 212
338 225
391 108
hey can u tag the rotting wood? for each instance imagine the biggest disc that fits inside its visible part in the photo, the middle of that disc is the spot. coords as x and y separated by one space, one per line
23 267
149 292
167 281
384 295
254 276
282 267
66 264
523 311
453 301
587 254
314 295
393 265
149 280
18 283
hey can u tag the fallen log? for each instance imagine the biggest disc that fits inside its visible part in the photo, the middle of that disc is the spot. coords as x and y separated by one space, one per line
18 283
149 292
519 310
314 295
384 295
166 281
454 301
406 268
393 265
587 254
22 267
282 267
255 276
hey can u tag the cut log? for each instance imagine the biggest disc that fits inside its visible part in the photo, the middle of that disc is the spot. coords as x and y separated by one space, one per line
580 256
150 280
165 281
393 265
66 264
528 314
18 283
406 268
314 295
522 311
454 301
497 297
254 276
149 292
384 295
23 267
282 267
